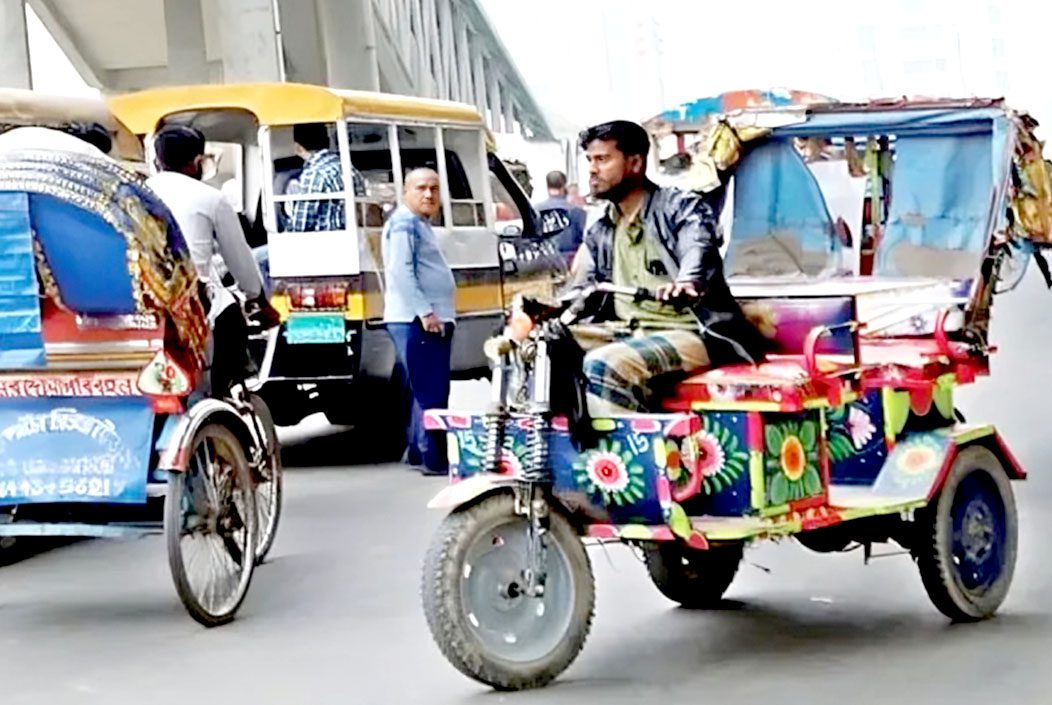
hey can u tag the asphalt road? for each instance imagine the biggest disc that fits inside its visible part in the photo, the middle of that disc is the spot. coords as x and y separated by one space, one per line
335 616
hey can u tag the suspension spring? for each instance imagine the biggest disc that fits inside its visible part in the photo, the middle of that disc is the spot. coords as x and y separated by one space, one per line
493 447
538 469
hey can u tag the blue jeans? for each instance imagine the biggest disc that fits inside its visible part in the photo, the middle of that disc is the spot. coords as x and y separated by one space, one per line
426 358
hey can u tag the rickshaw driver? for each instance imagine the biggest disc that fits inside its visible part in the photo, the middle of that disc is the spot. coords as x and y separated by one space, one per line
208 224
661 239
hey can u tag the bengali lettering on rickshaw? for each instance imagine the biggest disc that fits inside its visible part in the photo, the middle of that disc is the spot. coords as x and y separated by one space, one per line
98 452
13 387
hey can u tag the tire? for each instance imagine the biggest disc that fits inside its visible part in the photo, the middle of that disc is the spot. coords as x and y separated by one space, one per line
268 506
967 574
465 563
695 579
186 498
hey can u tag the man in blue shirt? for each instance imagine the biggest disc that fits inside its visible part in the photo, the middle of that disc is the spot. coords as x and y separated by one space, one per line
420 311
571 237
322 173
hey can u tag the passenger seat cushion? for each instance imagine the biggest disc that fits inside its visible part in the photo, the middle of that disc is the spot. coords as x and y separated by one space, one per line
787 322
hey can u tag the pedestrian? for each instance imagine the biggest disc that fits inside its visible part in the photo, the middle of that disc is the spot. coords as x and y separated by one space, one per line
571 237
420 313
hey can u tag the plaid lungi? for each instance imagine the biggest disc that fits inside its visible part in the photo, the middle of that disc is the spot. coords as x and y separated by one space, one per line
619 374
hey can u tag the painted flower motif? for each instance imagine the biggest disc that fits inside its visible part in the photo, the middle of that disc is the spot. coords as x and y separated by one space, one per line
860 426
710 458
607 471
793 457
792 470
917 459
613 472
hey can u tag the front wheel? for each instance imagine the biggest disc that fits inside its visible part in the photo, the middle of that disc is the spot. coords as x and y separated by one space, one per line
968 537
210 527
695 579
476 606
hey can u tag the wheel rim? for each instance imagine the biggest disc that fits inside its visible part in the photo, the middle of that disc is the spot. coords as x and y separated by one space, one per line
508 623
215 527
979 533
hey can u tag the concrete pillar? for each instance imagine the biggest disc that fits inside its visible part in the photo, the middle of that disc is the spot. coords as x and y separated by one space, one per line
350 44
301 37
478 71
250 42
185 35
14 46
494 103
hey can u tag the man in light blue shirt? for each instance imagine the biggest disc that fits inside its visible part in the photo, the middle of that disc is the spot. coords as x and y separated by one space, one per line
420 311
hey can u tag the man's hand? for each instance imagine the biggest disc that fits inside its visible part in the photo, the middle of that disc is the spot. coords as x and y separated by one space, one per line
260 311
684 290
431 324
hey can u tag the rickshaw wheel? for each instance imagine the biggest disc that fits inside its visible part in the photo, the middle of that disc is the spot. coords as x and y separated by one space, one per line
968 537
217 512
695 579
479 615
269 484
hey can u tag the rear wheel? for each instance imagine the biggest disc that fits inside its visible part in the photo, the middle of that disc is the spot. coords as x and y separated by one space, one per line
210 527
695 579
967 538
269 480
480 616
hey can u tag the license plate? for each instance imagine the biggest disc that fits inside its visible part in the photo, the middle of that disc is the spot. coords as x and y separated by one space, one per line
316 328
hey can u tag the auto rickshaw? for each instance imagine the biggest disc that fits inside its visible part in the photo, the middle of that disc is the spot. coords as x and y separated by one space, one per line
107 427
844 435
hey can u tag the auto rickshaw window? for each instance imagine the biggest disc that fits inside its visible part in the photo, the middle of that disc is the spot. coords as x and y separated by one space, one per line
309 178
466 164
376 192
416 150
505 211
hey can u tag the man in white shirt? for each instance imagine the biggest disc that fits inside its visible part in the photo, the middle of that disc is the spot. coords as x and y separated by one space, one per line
209 224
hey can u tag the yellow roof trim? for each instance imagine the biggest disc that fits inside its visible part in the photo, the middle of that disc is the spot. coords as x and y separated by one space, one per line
282 104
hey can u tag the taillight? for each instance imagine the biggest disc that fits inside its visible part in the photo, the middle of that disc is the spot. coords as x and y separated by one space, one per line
163 377
318 296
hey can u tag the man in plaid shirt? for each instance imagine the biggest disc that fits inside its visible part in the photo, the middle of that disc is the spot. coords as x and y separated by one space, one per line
322 173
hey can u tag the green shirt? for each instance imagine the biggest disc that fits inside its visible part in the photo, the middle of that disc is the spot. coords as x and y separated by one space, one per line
633 254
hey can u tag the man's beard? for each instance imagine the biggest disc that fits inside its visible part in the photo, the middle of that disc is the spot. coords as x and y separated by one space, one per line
617 193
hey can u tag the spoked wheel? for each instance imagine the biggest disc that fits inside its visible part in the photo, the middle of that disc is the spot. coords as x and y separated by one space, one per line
1013 267
477 606
210 526
695 579
269 480
967 538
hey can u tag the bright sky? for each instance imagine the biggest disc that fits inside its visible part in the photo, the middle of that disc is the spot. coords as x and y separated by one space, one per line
592 60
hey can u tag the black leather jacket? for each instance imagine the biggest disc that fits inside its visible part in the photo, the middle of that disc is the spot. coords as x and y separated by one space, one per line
685 226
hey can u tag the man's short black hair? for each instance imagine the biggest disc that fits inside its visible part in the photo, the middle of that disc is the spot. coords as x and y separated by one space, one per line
312 136
629 137
94 134
177 146
556 180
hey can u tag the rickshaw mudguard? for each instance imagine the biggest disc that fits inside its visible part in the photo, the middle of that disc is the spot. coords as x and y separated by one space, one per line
173 445
467 491
918 463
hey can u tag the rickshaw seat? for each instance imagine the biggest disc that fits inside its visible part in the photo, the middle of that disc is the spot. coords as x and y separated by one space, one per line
88 257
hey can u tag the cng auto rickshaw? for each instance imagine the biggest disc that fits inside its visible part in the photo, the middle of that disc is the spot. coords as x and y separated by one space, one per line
844 435
333 354
107 426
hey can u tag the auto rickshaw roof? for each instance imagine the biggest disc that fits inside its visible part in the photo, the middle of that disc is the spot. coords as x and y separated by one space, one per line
23 108
282 104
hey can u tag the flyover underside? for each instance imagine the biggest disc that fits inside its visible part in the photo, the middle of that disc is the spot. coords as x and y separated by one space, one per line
433 48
